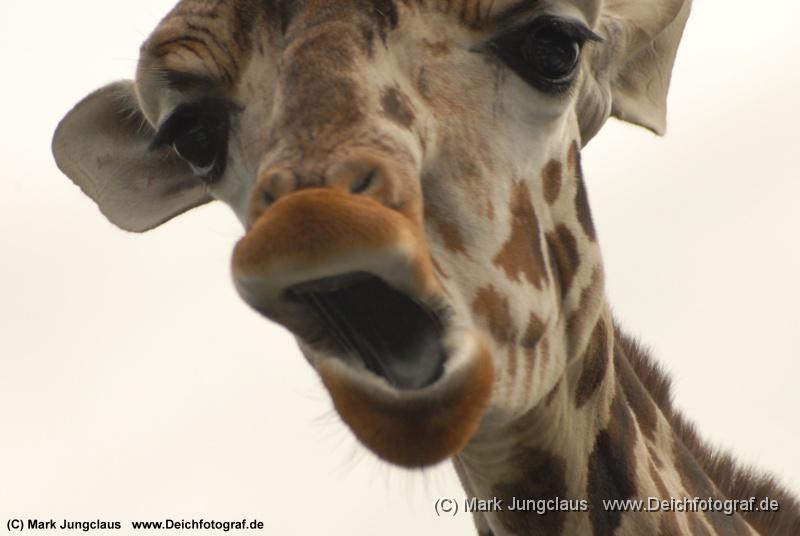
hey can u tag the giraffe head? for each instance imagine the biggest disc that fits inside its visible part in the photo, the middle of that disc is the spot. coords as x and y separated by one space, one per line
408 177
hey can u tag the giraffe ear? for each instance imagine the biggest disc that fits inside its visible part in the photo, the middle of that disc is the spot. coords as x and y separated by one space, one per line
628 75
103 145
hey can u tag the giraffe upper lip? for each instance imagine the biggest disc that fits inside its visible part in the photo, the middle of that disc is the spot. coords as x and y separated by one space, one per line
358 316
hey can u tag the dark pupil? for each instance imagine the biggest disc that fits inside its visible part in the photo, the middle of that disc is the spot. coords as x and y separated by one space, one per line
553 54
197 144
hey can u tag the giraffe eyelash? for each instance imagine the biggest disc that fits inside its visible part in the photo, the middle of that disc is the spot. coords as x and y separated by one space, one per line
545 52
198 133
570 27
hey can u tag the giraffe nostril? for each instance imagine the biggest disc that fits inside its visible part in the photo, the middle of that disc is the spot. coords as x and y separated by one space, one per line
272 185
267 198
363 184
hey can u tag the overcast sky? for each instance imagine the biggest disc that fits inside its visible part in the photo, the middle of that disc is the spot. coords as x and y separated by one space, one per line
135 384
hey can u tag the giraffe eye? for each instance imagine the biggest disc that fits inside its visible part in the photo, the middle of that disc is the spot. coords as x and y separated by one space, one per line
544 53
198 133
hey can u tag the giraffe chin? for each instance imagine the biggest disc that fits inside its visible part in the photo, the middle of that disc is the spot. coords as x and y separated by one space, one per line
418 427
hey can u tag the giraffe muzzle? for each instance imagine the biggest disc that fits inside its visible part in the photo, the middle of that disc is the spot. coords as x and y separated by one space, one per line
354 281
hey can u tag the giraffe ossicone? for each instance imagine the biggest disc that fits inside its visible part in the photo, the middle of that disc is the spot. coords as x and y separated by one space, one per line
408 176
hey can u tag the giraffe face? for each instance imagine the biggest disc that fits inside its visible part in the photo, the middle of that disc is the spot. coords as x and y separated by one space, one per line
408 179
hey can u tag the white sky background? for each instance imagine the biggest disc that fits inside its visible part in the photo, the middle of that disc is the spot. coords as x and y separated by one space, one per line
135 384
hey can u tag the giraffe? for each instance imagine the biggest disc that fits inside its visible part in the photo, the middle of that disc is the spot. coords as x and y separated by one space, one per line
409 180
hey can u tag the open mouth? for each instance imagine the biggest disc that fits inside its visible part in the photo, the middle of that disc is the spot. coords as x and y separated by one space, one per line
354 282
360 317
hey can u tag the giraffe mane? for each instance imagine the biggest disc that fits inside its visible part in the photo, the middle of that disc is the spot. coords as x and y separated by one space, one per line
734 480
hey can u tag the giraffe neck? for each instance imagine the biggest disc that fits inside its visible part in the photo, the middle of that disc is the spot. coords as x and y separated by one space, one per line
599 435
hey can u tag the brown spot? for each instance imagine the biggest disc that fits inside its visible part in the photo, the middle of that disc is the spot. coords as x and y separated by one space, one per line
530 342
551 181
564 250
463 165
522 252
468 160
397 107
612 468
533 332
638 399
590 300
582 209
447 229
573 158
541 476
493 307
489 208
595 364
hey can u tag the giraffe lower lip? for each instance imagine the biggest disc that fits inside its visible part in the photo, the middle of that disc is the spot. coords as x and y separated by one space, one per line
394 336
